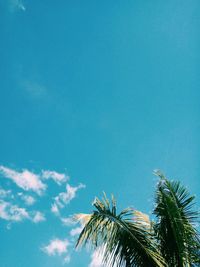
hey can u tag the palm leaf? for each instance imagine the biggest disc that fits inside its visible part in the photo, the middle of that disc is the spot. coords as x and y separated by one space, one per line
175 227
126 237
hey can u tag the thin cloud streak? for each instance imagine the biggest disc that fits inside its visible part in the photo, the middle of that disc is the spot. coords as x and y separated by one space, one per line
59 178
68 221
76 231
15 5
34 89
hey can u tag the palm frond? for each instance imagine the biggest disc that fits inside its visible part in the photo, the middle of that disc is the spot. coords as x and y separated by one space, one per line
126 237
175 227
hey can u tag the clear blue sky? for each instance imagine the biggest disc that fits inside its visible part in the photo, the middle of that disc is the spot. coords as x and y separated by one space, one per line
101 91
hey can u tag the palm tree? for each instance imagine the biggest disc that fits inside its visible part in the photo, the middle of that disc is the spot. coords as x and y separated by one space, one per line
130 239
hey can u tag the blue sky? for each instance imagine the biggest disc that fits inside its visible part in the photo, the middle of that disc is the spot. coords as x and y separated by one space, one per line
95 95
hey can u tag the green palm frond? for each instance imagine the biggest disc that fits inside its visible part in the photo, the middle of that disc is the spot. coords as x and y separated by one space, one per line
126 237
130 239
175 227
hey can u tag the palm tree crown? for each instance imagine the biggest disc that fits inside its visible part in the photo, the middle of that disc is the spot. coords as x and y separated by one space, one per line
130 239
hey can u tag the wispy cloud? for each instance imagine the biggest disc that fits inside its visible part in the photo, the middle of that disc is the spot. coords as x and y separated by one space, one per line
33 183
30 181
11 212
17 203
68 221
64 198
59 178
4 193
34 89
97 258
14 213
58 247
15 5
72 221
25 179
38 217
55 209
29 200
76 231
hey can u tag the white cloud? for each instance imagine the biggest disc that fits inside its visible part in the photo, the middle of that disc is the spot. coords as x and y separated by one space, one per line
38 217
11 212
59 178
68 221
55 209
4 193
37 183
25 179
28 180
96 259
64 198
29 200
67 259
76 231
57 247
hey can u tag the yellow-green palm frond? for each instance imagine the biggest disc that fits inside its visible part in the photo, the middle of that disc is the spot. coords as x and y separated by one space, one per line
126 237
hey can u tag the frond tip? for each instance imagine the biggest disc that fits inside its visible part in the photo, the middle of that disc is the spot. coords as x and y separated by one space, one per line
82 218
